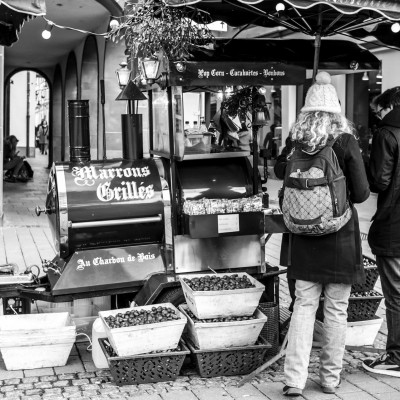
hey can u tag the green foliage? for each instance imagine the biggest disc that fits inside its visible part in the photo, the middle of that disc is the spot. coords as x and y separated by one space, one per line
152 27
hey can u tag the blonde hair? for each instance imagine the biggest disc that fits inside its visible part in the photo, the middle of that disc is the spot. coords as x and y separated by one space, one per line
313 128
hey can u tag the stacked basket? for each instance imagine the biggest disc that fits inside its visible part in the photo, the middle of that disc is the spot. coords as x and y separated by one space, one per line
362 323
144 344
224 323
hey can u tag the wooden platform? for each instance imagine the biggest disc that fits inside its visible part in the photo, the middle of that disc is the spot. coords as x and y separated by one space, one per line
25 239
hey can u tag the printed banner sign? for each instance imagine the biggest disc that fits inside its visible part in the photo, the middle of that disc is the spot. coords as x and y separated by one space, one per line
237 73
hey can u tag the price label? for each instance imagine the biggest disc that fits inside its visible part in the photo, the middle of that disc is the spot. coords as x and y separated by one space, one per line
228 223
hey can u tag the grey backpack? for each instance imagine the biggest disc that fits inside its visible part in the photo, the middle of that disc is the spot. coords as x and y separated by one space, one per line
315 194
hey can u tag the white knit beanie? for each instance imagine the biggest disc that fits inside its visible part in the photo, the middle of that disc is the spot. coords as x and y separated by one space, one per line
322 95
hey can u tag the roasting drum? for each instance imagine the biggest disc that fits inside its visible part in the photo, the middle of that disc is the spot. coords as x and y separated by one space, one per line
105 204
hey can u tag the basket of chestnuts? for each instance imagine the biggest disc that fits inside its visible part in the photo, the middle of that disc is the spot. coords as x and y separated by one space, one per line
221 295
220 333
143 329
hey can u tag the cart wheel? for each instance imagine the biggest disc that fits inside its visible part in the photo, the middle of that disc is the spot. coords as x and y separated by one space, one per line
174 296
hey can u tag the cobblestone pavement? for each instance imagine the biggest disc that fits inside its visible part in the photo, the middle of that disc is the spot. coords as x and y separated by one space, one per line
76 382
79 378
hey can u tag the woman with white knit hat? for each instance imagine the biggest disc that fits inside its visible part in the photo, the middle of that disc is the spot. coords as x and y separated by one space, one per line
327 264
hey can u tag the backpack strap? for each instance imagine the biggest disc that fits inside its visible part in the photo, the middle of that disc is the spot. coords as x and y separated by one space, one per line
306 183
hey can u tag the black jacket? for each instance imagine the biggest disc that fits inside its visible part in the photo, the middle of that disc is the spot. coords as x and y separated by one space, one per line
337 257
384 178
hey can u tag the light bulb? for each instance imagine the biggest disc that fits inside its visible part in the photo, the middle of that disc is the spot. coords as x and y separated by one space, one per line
395 27
379 75
273 90
114 24
180 66
46 34
280 7
379 82
365 77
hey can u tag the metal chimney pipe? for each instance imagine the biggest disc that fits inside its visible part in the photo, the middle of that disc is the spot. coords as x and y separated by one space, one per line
132 136
79 133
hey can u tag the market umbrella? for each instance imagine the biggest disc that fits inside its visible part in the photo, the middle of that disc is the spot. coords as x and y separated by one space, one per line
13 14
319 18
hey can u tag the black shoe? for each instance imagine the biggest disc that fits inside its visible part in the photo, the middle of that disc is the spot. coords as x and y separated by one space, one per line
22 179
11 179
292 391
382 365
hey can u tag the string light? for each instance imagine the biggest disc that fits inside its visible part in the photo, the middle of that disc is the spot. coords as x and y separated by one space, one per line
114 24
395 27
280 7
46 34
51 24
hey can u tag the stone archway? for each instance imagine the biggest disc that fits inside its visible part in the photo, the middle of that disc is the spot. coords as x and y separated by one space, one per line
90 90
71 93
57 117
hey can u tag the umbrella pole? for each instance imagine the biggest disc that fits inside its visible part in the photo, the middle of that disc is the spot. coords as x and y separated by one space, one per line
317 46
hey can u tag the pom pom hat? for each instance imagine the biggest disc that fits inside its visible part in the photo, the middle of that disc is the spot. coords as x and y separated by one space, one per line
322 95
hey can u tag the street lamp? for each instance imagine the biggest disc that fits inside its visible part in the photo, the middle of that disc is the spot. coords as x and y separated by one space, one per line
150 67
123 74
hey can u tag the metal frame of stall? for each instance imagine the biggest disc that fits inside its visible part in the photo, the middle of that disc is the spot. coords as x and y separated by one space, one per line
148 291
197 75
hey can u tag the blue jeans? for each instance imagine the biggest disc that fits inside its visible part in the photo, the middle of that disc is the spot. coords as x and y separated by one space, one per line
389 271
301 329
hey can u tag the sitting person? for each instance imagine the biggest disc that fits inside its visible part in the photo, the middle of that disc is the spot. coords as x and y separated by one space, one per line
12 162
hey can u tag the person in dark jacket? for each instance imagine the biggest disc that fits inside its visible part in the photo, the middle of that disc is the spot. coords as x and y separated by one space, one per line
11 160
327 264
384 233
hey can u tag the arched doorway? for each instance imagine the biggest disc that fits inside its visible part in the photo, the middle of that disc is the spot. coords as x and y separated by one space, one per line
27 104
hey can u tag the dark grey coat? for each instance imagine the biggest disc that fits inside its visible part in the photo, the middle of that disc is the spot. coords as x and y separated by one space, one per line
384 177
337 257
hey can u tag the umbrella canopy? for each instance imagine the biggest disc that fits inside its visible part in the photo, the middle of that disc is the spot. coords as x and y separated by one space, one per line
13 14
319 18
335 54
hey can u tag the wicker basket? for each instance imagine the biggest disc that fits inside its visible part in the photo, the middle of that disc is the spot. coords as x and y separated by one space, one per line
270 331
144 368
227 362
359 309
371 276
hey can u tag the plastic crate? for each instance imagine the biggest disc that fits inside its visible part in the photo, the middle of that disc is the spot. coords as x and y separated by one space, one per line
144 368
141 339
227 362
36 340
270 331
222 303
360 308
359 333
211 335
371 276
